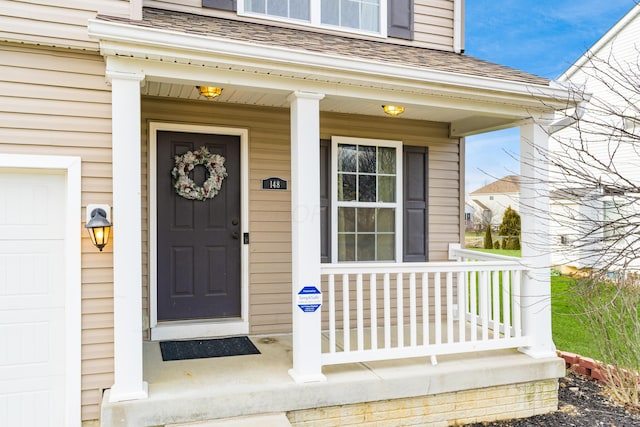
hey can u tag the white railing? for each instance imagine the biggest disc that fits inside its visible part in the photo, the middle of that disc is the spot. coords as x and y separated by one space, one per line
390 311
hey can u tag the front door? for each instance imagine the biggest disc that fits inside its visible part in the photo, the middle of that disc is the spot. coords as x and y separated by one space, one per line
199 248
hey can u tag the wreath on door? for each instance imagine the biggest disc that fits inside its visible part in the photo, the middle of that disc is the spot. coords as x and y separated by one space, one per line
184 164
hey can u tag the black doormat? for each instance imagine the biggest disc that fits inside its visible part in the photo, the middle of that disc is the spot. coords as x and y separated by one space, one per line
200 349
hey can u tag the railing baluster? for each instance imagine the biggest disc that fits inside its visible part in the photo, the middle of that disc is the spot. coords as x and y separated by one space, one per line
400 308
332 313
438 307
387 311
449 307
412 309
506 304
473 304
517 303
360 312
484 304
346 330
496 302
425 308
460 313
373 297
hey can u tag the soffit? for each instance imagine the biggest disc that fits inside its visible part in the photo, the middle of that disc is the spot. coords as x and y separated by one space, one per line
356 76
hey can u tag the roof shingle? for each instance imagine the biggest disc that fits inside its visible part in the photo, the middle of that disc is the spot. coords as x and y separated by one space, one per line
310 41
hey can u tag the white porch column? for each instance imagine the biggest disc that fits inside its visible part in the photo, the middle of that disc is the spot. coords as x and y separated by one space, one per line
127 238
534 215
305 234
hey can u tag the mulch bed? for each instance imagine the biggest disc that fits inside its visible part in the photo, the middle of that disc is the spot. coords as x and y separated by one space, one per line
582 403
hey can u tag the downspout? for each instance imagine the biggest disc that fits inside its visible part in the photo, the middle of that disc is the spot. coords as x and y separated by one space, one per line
458 26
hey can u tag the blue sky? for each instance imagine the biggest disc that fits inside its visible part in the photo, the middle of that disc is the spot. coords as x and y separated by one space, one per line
541 37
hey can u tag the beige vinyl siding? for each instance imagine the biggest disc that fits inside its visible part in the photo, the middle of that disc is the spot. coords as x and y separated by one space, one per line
56 102
433 24
270 211
433 21
60 23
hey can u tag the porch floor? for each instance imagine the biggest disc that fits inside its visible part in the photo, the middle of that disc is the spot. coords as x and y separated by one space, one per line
214 388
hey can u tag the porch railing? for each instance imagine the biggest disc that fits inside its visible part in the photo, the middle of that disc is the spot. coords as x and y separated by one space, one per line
392 311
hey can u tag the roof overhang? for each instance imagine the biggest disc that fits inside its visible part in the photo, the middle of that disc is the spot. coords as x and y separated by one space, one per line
470 104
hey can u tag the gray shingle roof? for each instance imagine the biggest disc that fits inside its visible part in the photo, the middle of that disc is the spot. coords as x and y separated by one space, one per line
310 41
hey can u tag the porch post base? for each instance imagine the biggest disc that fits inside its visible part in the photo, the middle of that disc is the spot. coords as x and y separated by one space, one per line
537 353
116 396
301 378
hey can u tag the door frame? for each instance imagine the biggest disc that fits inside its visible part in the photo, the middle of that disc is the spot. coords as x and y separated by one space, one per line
70 166
184 329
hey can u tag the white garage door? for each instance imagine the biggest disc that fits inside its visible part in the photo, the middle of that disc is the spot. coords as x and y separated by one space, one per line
32 298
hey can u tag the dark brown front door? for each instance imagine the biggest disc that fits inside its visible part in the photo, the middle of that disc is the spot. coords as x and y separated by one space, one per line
198 241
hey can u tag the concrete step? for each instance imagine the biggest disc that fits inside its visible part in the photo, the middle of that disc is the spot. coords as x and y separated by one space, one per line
262 420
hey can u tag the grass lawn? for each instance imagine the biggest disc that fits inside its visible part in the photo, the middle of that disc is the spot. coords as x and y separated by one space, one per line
568 332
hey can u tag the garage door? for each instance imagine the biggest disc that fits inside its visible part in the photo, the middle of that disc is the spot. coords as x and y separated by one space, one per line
32 298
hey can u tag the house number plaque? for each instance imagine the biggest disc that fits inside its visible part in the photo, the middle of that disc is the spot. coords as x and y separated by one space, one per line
274 183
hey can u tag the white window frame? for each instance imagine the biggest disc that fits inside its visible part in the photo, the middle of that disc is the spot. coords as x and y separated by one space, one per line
315 19
397 205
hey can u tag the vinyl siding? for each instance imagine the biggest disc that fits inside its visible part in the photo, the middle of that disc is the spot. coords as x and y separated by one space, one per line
270 211
433 20
55 102
55 23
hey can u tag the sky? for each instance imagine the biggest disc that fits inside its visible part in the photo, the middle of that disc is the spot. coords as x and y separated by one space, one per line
542 37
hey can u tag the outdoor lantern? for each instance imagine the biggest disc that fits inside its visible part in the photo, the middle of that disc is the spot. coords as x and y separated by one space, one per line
209 92
393 110
99 228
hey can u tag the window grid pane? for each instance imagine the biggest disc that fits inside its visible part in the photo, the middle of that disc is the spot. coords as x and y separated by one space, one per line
366 203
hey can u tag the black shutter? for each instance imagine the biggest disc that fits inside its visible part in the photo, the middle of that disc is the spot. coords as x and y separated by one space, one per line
220 4
325 200
415 215
400 19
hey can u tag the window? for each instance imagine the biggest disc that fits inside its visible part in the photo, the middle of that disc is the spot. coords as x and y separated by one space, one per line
367 184
365 16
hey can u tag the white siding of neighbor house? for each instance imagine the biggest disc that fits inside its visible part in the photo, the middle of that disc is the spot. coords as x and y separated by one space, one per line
619 49
60 23
270 212
433 20
55 102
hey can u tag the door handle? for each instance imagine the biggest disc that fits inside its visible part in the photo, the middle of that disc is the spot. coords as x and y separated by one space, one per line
235 235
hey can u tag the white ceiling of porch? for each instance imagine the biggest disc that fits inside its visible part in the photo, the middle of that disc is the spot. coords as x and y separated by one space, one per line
278 99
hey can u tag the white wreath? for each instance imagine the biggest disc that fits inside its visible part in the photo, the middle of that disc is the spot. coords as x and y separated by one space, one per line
186 187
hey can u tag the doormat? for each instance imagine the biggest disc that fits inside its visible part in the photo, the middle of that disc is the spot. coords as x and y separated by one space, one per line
201 349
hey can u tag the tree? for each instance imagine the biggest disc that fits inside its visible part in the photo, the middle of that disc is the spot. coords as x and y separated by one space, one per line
510 225
488 240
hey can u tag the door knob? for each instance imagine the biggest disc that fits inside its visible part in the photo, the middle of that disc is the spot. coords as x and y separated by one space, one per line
235 235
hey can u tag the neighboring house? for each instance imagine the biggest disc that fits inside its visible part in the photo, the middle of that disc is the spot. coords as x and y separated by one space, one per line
585 204
494 198
101 97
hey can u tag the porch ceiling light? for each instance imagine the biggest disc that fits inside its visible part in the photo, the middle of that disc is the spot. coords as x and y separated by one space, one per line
209 92
99 228
393 110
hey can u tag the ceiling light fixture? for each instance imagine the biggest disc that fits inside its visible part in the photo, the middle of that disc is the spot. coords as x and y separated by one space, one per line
209 92
393 110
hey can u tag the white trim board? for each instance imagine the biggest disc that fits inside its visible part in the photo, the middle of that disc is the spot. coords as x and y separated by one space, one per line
197 328
71 166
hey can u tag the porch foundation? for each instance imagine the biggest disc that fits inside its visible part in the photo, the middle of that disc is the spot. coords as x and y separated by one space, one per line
457 408
463 386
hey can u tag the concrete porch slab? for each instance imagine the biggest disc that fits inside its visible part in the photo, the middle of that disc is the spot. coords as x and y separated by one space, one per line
262 420
210 389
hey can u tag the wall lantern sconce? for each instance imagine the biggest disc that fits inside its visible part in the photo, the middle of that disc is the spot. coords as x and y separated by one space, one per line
393 110
98 225
209 92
